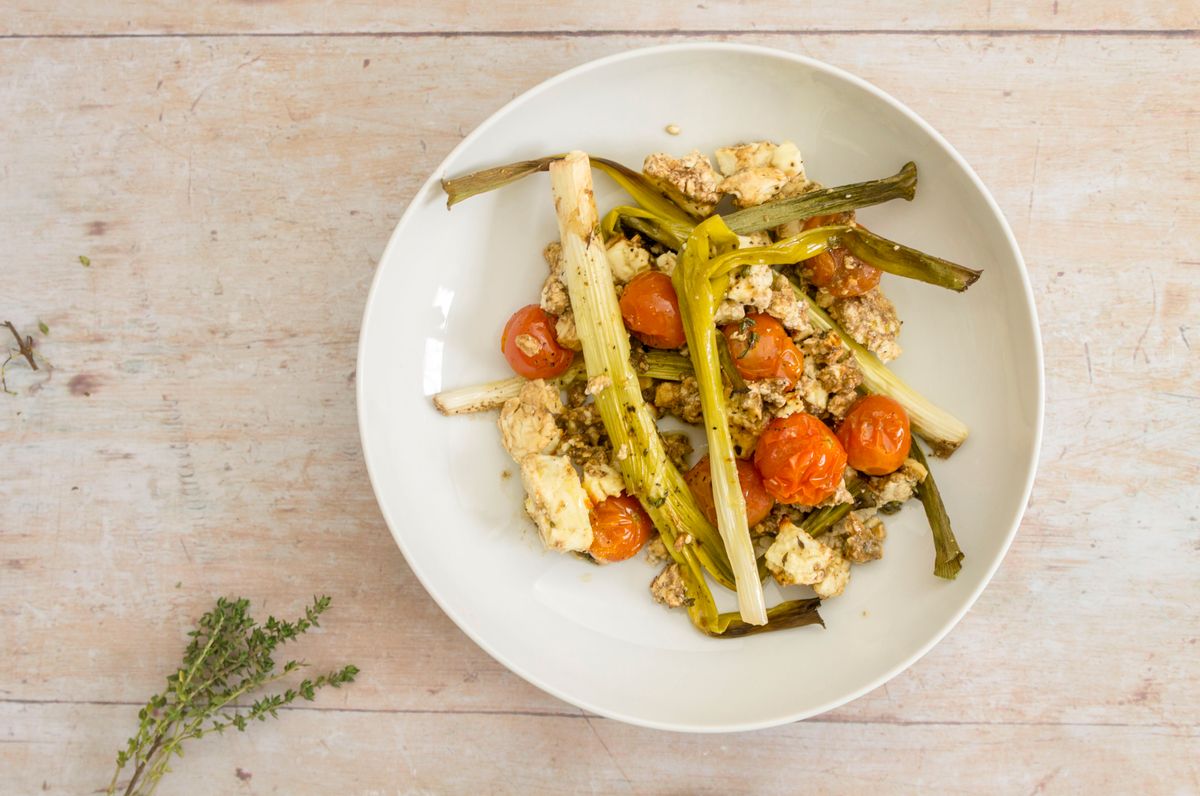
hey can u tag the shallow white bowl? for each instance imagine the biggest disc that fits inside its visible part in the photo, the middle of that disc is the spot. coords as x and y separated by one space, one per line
592 635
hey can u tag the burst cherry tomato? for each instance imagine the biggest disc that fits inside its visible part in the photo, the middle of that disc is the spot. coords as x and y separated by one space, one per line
837 270
800 459
620 527
876 435
761 349
531 347
651 310
758 502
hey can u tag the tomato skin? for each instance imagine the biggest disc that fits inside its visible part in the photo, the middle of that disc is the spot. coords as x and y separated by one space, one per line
758 502
840 273
620 528
651 310
549 360
800 459
762 349
837 270
876 435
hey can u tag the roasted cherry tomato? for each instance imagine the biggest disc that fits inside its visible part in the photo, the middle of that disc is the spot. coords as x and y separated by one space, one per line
800 459
876 435
758 502
762 349
531 347
651 310
620 528
841 273
837 270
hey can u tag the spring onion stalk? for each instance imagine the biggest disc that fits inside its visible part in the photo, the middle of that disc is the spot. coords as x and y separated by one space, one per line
948 557
886 255
665 365
822 520
898 259
793 613
670 233
460 188
493 394
645 466
694 290
839 199
935 425
729 367
634 183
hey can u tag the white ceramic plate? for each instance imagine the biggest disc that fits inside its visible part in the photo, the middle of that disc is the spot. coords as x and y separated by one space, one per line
592 635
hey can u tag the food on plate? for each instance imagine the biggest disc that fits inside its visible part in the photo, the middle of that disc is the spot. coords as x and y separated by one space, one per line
743 299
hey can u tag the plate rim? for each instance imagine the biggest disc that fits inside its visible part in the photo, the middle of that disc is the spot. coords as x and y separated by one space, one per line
434 179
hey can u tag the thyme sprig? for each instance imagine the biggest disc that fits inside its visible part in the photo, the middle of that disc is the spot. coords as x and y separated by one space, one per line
229 657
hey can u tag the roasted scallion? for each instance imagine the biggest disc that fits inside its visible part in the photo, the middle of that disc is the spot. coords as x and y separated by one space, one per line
948 557
641 457
826 201
693 279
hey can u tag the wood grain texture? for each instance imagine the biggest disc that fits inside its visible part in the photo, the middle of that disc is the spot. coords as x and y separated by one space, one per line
195 434
137 17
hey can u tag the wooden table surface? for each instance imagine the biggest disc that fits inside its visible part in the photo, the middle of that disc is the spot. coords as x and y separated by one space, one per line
233 171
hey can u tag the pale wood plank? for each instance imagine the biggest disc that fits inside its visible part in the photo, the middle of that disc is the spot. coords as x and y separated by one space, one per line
124 17
374 754
233 213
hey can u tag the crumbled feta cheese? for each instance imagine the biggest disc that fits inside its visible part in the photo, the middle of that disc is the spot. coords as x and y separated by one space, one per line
566 333
795 558
555 500
602 481
871 320
729 312
732 159
656 551
756 172
787 308
689 180
751 285
760 238
528 422
626 259
665 262
754 186
861 534
668 587
899 486
681 399
786 158
555 299
597 383
528 344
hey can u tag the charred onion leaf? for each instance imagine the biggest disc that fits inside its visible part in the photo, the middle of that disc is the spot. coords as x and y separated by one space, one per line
647 470
948 557
826 201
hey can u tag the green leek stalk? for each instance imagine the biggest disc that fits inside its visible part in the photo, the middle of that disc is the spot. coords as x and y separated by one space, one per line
935 425
493 394
693 280
826 201
648 471
948 557
658 217
666 365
